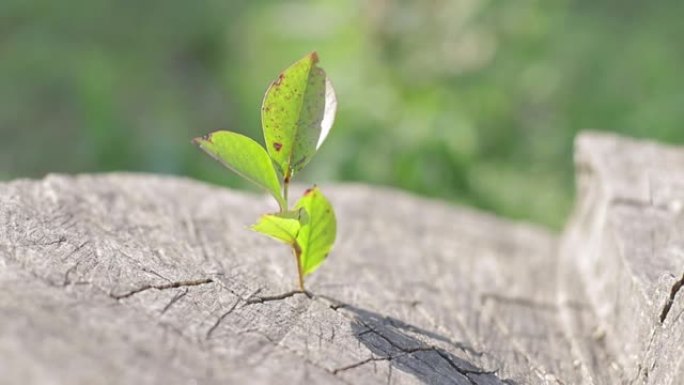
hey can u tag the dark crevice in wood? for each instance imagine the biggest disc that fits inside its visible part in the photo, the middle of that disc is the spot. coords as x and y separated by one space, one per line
295 353
76 250
65 282
332 303
404 352
277 297
220 319
336 304
172 285
464 371
670 300
175 299
407 352
360 363
389 322
58 241
524 302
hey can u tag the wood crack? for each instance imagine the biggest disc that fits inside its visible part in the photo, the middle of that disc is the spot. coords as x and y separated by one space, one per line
670 300
296 353
465 372
252 300
524 302
171 285
408 352
175 299
220 319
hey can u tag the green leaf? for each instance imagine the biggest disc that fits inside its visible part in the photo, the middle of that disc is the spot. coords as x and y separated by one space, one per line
297 113
282 227
317 235
244 156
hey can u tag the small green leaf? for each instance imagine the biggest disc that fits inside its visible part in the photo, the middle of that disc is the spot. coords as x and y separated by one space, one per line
297 113
317 236
282 227
244 156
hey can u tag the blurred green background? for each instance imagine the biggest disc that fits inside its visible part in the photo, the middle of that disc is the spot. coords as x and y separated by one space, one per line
474 101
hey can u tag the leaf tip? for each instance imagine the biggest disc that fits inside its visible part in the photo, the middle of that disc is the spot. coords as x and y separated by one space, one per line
204 138
310 190
314 57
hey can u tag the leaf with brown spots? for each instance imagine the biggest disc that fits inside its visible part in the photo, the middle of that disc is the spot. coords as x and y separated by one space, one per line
317 235
297 113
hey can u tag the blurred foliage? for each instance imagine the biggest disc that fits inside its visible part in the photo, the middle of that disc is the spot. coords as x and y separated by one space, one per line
476 101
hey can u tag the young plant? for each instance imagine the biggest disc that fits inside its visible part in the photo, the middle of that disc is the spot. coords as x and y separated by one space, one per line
296 115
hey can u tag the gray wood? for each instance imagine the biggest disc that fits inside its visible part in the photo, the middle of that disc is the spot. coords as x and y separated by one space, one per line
129 278
624 246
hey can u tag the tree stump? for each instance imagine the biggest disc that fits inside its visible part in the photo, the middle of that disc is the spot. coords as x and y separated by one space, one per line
144 279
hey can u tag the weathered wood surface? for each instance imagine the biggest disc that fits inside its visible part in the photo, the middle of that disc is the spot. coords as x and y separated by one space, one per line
141 279
624 246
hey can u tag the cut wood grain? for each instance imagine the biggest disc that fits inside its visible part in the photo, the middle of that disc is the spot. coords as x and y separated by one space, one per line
142 279
624 247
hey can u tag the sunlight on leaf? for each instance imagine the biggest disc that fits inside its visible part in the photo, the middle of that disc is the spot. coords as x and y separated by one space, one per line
297 113
316 237
244 156
278 226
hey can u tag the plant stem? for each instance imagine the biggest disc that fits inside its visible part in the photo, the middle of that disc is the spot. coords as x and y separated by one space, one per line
297 251
286 185
287 204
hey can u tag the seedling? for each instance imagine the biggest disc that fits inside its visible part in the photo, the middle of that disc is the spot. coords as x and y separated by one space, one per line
296 115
